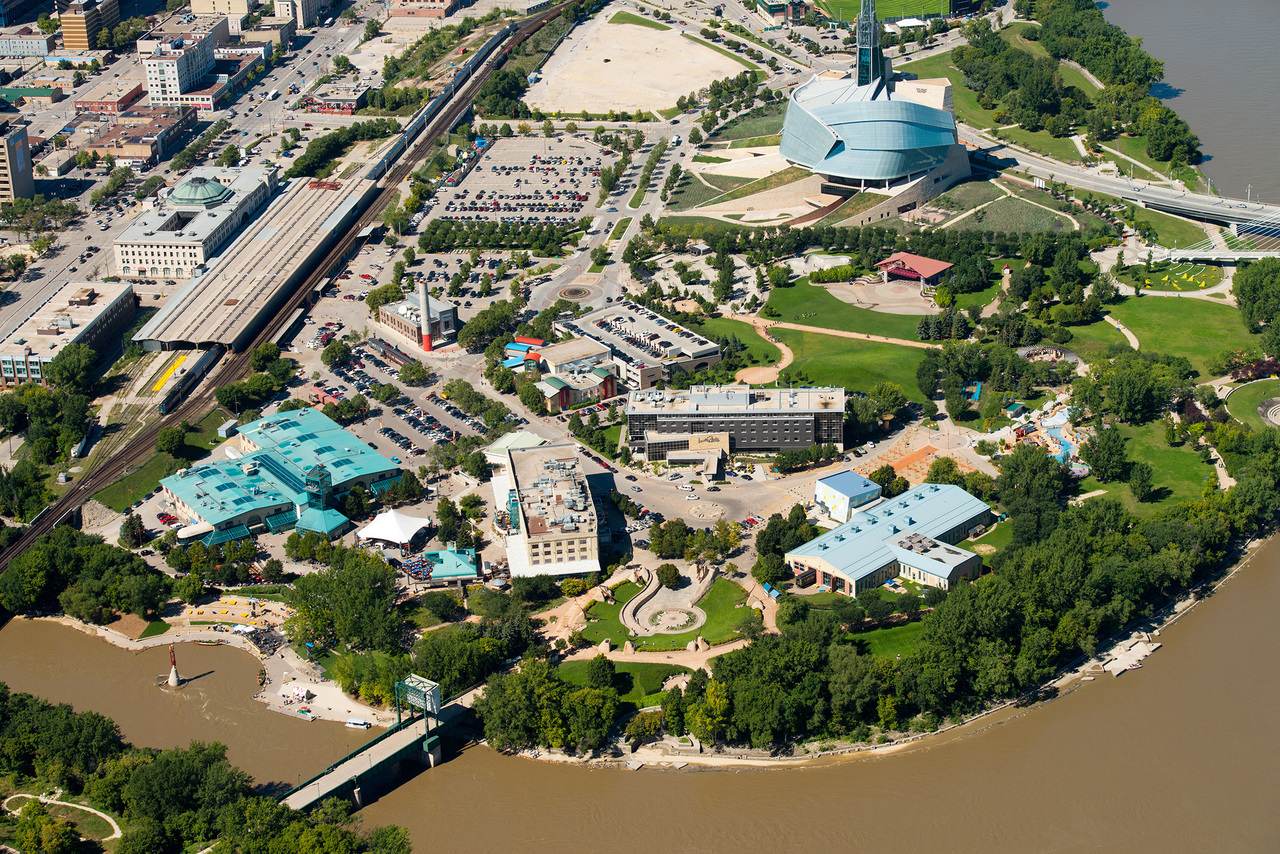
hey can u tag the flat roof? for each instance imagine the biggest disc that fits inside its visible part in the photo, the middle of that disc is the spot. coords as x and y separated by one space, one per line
287 445
410 308
217 307
573 350
551 490
639 335
64 318
726 399
848 483
190 212
866 542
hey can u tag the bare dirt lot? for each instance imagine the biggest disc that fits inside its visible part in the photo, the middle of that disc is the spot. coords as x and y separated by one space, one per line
603 66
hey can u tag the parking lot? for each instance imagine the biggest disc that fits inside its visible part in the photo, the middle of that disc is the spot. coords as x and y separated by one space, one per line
528 179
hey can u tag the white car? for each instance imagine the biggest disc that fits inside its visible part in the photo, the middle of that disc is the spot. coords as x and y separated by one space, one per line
692 497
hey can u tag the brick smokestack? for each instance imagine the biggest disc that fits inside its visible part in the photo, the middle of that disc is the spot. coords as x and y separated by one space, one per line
424 323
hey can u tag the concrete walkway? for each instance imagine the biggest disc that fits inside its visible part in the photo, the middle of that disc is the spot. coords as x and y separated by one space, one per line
842 333
1124 330
53 799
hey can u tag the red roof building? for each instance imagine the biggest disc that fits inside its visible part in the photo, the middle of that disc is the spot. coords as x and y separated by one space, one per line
904 265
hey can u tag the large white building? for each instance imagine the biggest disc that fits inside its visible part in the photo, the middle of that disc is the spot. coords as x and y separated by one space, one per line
177 237
551 526
89 313
178 62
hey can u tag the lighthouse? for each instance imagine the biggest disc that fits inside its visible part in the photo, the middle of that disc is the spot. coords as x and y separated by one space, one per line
424 314
174 680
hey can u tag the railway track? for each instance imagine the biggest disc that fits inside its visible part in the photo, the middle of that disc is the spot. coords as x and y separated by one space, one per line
236 365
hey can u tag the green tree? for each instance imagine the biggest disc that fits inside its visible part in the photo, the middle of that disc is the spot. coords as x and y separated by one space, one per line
72 368
600 672
1141 480
171 441
1105 455
669 576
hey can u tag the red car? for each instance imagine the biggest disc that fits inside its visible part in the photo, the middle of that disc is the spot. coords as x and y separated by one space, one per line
366 277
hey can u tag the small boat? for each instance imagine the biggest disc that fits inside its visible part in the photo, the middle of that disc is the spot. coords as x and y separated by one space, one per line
358 723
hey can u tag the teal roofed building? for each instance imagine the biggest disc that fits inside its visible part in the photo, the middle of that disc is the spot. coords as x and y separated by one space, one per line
287 470
913 535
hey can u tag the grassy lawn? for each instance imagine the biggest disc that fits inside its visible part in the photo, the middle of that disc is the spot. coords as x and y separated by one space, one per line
1014 215
847 10
707 158
757 141
992 541
1173 232
136 485
1179 473
696 227
760 185
1059 148
758 122
890 642
745 63
629 18
759 351
611 434
723 605
853 206
1244 401
854 365
638 683
693 192
154 628
968 196
1015 34
619 228
1094 341
1162 325
966 100
813 306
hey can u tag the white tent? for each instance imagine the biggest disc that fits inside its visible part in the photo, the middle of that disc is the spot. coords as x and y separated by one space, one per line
392 526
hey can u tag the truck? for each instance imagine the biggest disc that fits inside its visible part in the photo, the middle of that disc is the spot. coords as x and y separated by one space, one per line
273 94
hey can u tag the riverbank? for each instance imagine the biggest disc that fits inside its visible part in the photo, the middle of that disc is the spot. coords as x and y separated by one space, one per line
285 668
666 757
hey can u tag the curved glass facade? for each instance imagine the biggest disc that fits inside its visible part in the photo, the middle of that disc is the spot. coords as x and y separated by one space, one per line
856 133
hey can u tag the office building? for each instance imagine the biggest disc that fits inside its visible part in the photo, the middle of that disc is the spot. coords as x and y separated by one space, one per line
177 237
16 181
292 470
93 314
110 96
422 8
305 13
26 41
144 136
756 420
840 494
178 57
83 20
912 535
647 348
547 511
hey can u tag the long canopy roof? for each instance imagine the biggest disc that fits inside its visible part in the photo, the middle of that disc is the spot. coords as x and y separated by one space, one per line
392 526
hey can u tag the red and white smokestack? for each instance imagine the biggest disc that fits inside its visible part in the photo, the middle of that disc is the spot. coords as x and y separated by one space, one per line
424 315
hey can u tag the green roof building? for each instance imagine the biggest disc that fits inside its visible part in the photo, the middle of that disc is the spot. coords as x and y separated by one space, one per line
287 470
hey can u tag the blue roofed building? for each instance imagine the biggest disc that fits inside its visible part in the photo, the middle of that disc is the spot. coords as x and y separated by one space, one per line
860 130
912 535
840 494
287 470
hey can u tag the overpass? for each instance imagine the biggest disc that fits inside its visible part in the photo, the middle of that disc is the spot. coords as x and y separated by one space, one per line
1236 214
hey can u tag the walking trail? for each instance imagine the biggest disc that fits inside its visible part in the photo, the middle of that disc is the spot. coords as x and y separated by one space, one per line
762 375
1124 330
53 799
838 333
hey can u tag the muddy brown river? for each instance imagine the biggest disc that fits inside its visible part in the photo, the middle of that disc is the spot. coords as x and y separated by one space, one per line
1182 755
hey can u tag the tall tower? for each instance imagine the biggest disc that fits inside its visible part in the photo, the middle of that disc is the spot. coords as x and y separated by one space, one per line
424 314
174 680
870 56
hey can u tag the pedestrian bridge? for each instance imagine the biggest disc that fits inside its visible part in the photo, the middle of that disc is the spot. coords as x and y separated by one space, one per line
372 769
377 766
1217 256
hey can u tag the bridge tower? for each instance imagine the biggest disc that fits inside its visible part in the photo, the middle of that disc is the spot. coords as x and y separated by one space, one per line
420 695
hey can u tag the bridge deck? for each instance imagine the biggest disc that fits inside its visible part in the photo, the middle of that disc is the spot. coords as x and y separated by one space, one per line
340 774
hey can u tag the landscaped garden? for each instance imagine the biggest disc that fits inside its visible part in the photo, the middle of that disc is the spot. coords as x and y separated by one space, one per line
1243 403
1194 328
1179 473
724 605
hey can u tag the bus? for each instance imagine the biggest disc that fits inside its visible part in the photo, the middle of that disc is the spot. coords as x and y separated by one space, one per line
273 94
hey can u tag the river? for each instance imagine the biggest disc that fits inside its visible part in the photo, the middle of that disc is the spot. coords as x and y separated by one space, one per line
1222 64
1181 755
